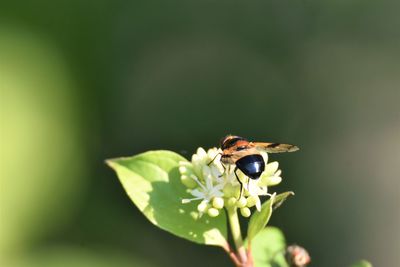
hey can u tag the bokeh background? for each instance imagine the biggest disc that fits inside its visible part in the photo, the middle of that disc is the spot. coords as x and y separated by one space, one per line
82 81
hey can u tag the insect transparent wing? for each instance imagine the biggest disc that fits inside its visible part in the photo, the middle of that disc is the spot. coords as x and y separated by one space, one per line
274 147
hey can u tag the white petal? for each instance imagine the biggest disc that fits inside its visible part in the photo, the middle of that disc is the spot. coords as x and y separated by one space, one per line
220 180
209 184
271 167
218 194
252 187
212 152
258 204
195 158
219 186
263 191
265 156
201 153
231 178
274 180
215 171
197 193
215 192
206 170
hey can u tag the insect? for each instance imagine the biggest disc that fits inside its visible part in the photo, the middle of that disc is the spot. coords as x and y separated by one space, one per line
246 155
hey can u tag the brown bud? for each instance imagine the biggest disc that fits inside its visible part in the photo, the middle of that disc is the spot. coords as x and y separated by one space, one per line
297 256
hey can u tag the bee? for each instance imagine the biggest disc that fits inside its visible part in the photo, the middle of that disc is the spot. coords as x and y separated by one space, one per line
246 156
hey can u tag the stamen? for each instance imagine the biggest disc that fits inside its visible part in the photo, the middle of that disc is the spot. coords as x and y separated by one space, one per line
208 181
197 181
188 200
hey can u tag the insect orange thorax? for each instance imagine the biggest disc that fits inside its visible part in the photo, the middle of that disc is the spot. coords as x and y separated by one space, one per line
230 141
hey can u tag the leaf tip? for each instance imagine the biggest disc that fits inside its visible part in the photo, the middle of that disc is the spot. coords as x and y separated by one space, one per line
110 162
362 263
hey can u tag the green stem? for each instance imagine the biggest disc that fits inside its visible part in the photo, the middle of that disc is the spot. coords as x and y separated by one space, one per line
236 234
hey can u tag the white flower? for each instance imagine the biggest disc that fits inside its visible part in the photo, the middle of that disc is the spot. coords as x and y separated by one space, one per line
207 180
207 177
205 192
271 175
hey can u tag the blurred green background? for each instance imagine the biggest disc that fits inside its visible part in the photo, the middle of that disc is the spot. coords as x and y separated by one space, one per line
82 81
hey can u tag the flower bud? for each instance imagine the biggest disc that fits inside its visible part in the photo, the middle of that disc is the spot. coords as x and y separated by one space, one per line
188 182
202 207
230 190
201 152
185 163
231 202
271 168
218 202
241 203
213 212
252 200
273 180
245 212
182 169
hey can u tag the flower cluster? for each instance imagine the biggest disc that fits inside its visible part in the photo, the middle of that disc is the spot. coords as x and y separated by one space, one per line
215 187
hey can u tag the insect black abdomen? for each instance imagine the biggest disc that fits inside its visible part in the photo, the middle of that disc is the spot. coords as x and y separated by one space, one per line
251 165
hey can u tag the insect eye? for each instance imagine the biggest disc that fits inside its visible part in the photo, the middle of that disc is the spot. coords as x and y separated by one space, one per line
240 148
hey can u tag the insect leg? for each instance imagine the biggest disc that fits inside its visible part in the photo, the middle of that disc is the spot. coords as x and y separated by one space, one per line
214 159
241 184
223 166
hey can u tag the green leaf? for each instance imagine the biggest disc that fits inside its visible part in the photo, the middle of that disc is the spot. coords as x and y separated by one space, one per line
260 219
152 181
268 248
279 199
362 263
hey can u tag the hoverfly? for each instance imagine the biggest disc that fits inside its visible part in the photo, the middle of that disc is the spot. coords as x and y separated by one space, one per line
246 155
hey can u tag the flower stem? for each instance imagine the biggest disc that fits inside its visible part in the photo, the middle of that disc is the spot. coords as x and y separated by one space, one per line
236 234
